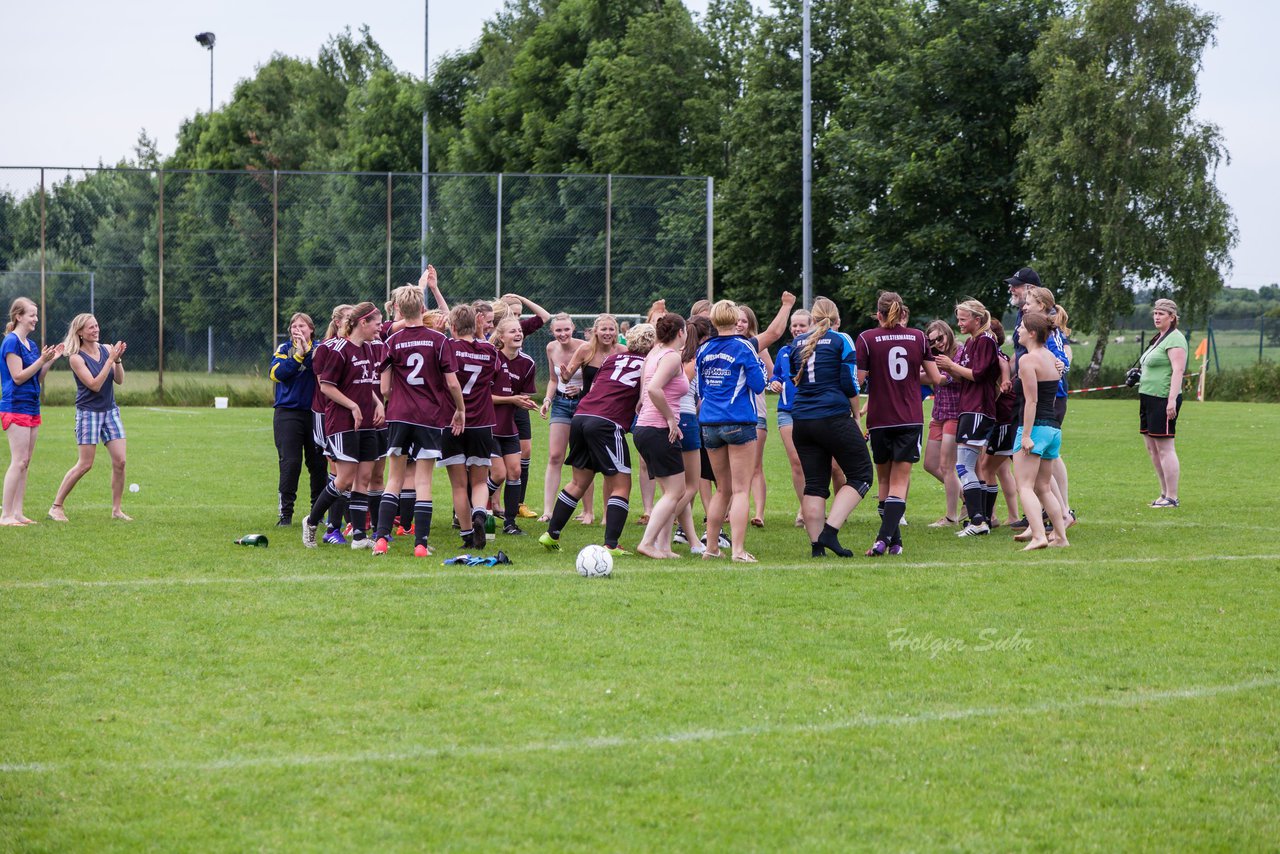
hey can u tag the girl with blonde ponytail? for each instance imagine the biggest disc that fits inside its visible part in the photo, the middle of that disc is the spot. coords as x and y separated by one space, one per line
894 357
825 426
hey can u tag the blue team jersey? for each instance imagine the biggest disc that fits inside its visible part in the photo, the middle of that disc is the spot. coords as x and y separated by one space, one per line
782 372
828 380
730 375
21 398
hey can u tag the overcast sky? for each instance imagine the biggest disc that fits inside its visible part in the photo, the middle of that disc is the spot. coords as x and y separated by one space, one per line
82 77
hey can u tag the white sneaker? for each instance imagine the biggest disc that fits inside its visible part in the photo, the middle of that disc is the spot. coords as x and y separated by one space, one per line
972 530
696 550
365 543
679 537
308 533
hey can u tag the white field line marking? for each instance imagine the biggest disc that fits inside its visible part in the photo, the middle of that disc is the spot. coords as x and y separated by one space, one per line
166 411
641 565
607 742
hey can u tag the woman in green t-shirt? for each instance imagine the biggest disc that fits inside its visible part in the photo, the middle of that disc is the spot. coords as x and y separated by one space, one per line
1160 395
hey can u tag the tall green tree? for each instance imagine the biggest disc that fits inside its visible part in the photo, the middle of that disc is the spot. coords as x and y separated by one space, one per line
1118 172
922 156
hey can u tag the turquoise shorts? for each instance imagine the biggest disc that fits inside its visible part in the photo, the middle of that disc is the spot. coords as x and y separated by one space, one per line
1046 441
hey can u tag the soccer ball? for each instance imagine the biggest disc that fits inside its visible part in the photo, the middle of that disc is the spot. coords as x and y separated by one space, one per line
594 562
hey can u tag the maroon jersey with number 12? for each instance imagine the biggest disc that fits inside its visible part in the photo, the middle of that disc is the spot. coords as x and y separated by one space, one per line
892 360
418 359
616 390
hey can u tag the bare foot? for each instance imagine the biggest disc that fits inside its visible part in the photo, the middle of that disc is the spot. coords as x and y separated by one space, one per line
121 515
544 518
587 520
57 514
650 551
745 557
710 555
669 555
27 521
12 523
1024 536
1059 543
1036 544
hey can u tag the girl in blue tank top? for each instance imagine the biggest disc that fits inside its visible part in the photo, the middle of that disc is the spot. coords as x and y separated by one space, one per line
97 369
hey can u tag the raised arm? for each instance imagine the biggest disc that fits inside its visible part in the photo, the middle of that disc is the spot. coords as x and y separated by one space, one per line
778 325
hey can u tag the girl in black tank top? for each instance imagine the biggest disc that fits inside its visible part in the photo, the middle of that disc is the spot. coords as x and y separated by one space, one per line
1039 437
1046 392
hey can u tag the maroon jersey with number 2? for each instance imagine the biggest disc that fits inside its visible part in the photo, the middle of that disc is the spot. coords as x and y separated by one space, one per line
418 359
892 360
616 390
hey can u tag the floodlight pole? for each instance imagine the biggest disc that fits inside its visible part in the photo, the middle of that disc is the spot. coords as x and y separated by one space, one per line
806 203
208 40
426 168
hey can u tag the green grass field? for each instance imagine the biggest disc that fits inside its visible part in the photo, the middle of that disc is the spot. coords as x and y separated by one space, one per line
166 689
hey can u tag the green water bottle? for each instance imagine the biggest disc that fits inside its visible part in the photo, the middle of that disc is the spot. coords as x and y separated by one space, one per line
253 540
489 526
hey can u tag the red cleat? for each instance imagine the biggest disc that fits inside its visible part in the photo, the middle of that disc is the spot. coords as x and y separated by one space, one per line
380 547
421 550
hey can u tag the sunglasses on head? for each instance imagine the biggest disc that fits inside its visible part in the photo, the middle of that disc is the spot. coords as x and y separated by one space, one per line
937 340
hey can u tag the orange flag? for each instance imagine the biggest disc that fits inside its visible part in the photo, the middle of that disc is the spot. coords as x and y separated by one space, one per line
1203 349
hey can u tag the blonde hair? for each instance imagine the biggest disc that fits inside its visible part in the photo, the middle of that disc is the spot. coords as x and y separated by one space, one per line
562 317
825 316
501 311
358 313
71 344
808 315
724 314
972 306
593 341
505 322
336 319
434 319
1057 314
753 325
702 306
408 301
641 338
891 307
19 307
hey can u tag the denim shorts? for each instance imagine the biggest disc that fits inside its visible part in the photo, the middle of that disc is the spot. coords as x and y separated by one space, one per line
692 440
762 423
562 409
715 436
784 418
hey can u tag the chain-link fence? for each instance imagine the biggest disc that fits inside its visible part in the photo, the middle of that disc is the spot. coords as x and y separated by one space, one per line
200 271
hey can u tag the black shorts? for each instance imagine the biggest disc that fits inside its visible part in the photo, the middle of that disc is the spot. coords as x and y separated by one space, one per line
899 444
473 447
663 457
1152 420
1000 439
972 428
415 441
317 430
355 446
819 440
599 445
507 445
524 428
1059 410
708 473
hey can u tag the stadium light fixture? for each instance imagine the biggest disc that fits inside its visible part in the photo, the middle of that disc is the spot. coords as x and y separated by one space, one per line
207 40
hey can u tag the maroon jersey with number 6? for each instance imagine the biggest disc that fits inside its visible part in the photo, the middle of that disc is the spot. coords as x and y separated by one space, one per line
616 390
353 370
892 360
477 362
419 358
514 376
978 354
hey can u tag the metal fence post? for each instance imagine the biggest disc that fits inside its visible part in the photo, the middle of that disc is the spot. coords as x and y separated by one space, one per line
497 242
388 235
160 290
91 292
42 268
275 256
1262 326
608 244
711 226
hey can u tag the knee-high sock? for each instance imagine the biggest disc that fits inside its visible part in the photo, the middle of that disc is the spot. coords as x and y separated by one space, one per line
478 517
358 514
372 501
615 519
328 498
894 508
408 501
421 522
388 507
524 479
561 513
511 501
993 494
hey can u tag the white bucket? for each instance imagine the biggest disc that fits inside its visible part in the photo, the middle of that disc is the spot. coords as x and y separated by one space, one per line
220 403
